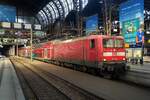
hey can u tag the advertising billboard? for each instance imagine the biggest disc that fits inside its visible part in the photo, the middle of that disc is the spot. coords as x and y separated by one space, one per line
7 13
131 18
91 24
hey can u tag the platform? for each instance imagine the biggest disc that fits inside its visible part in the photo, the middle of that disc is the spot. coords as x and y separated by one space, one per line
140 68
107 89
147 59
10 88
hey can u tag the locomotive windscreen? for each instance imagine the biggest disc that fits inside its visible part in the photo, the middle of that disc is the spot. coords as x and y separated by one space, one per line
113 43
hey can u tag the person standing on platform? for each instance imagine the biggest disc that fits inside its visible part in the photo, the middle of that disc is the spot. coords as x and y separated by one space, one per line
140 42
140 38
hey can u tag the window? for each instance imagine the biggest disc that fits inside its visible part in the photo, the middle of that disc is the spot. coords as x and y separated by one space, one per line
110 43
64 2
119 43
84 3
42 14
92 43
55 9
40 18
70 3
52 11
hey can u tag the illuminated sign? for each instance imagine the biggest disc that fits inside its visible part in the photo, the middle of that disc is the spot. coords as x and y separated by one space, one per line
6 25
27 26
37 27
91 24
13 41
17 25
132 21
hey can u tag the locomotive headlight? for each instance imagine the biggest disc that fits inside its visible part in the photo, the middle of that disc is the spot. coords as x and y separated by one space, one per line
107 54
120 53
104 59
124 58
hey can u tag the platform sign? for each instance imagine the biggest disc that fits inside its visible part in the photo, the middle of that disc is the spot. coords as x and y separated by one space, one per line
6 25
131 20
91 24
7 13
27 26
17 25
37 27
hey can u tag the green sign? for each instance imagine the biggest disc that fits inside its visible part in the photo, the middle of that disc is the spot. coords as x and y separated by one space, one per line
39 33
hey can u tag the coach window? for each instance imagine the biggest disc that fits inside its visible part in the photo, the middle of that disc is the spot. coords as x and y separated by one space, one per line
92 43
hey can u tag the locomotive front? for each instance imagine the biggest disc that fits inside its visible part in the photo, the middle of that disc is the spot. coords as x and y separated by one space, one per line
113 55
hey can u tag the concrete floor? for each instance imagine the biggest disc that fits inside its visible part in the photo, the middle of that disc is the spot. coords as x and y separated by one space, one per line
10 88
140 68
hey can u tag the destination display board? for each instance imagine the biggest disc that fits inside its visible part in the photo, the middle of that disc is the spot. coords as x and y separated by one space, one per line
6 41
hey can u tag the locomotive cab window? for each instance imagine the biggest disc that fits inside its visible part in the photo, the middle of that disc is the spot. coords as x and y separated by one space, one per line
92 43
108 43
111 43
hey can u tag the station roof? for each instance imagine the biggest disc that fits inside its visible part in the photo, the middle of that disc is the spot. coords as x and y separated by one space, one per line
49 10
36 5
33 6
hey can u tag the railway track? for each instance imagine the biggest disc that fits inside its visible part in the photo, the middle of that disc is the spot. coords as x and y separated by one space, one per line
141 79
40 88
134 78
69 90
27 90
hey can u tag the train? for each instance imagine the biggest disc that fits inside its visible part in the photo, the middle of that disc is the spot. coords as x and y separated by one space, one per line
103 54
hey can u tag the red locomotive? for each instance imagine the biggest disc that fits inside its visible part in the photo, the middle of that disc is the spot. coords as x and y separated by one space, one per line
105 54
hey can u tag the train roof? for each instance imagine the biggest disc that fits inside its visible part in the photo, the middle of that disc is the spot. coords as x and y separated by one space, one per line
83 38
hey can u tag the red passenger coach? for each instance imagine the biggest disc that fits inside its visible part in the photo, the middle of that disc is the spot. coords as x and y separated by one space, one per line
43 51
103 53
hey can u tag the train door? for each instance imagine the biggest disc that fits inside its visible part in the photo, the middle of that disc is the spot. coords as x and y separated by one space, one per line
90 54
45 53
